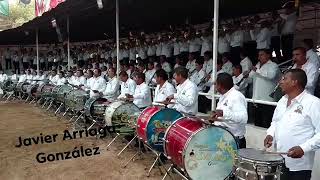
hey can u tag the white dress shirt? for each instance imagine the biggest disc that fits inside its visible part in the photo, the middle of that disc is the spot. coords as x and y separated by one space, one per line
77 81
184 47
227 67
206 45
142 52
240 83
236 38
167 67
151 50
22 78
61 81
246 64
186 98
312 73
150 76
207 66
158 49
176 48
234 107
98 84
289 26
297 125
263 38
127 87
29 78
160 94
132 53
195 45
197 77
191 65
142 96
264 80
3 77
223 45
14 78
54 79
313 57
112 89
166 49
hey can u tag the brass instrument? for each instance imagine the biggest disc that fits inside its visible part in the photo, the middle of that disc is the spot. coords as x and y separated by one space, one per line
277 92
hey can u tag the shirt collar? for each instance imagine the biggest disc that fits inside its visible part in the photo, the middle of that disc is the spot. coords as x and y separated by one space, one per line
298 98
227 93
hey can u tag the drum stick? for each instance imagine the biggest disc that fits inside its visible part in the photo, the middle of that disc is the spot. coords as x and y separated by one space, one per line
279 153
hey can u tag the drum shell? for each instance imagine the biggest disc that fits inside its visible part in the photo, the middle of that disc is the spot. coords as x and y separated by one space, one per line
60 92
32 89
46 90
152 124
91 109
76 99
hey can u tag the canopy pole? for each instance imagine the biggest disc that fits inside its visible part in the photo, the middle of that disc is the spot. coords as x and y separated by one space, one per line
68 45
37 49
117 36
215 49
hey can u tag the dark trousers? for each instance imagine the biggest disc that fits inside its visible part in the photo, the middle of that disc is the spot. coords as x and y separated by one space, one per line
287 46
242 143
204 104
275 46
16 66
295 175
263 115
8 64
235 55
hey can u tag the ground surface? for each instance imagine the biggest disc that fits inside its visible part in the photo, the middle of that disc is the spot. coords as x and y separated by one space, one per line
19 119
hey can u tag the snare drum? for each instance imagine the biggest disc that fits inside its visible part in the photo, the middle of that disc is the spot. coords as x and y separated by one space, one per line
95 107
32 89
120 112
252 164
200 151
76 99
153 123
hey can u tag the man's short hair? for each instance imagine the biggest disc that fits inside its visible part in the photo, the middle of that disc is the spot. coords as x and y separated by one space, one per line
267 51
182 71
124 74
112 69
302 49
99 70
226 55
225 80
199 61
300 76
238 67
140 75
162 74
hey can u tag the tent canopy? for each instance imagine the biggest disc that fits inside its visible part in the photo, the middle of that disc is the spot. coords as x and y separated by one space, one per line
88 23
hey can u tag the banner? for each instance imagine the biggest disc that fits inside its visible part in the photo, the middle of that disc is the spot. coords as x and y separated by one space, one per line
43 6
4 7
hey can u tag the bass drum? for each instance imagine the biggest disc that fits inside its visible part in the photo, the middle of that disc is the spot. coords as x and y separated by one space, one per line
203 152
153 123
95 107
120 113
45 90
76 99
59 92
32 89
22 87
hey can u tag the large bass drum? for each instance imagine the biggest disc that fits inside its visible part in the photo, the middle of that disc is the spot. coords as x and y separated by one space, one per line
59 92
252 164
76 99
32 90
120 113
95 107
45 90
153 123
22 87
202 152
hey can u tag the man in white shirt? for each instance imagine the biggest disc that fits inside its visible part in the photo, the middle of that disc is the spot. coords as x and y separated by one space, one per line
186 98
223 43
226 63
111 91
206 43
128 85
164 89
29 76
142 93
89 80
98 84
236 42
150 74
295 127
191 64
195 44
3 77
22 77
208 62
287 32
262 37
165 65
240 80
232 108
61 79
7 57
78 79
198 77
301 62
312 56
245 63
53 78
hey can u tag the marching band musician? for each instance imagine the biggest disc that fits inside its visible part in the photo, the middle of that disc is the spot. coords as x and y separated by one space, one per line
142 92
111 91
98 84
301 62
78 79
312 56
262 37
150 74
246 63
232 108
128 85
70 77
164 64
198 76
53 78
22 77
61 79
3 77
29 76
226 63
191 65
164 89
206 43
236 42
295 126
239 79
208 62
223 43
186 98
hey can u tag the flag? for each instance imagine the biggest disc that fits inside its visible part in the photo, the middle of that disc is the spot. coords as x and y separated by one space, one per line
4 7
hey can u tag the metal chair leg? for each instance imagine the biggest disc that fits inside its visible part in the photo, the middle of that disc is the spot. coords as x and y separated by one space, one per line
55 113
127 145
112 141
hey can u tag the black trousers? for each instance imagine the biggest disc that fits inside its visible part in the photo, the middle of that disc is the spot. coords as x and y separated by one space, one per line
263 115
287 46
235 55
242 143
8 64
204 104
16 66
275 46
295 175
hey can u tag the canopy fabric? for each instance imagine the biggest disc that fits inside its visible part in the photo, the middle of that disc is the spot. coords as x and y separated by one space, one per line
88 23
4 7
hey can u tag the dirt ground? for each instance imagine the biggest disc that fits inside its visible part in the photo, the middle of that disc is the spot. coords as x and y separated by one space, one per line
20 119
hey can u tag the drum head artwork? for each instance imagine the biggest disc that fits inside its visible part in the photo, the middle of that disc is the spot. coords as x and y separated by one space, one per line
210 153
259 155
120 112
158 125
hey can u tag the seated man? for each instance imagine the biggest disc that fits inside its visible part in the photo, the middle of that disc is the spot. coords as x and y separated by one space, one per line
113 85
78 79
53 78
164 88
186 98
232 108
240 80
198 77
61 79
128 85
142 93
98 84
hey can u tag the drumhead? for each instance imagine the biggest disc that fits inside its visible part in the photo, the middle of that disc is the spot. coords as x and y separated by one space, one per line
158 125
259 155
210 152
120 111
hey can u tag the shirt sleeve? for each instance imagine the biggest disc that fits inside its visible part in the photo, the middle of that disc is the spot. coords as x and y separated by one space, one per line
312 76
271 130
132 88
238 113
313 144
270 73
142 94
187 98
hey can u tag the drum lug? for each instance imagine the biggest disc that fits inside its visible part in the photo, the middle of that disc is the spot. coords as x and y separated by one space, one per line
247 175
169 157
180 152
138 125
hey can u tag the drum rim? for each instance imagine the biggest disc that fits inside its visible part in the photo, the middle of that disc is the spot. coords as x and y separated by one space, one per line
250 160
94 100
